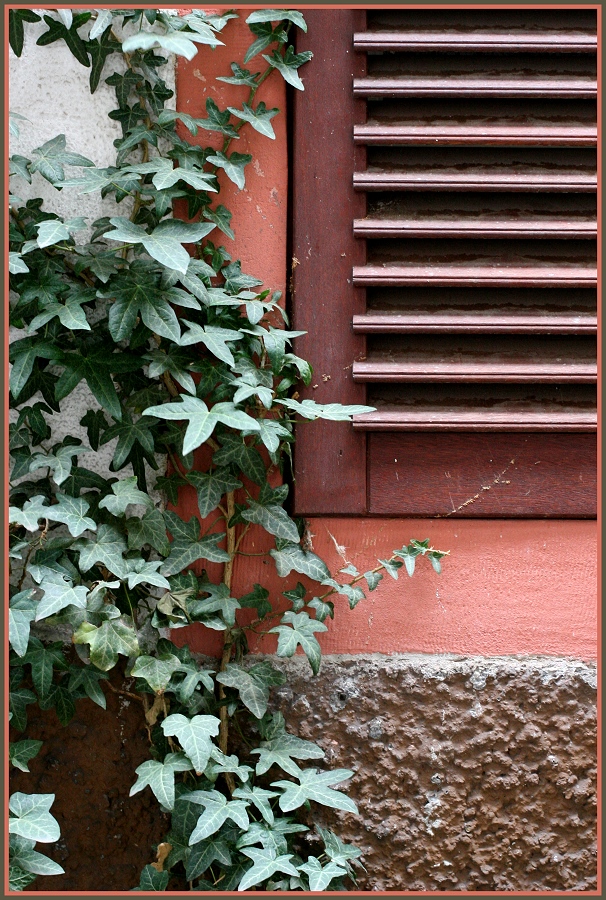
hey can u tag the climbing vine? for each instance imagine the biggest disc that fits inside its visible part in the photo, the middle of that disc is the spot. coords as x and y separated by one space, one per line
193 381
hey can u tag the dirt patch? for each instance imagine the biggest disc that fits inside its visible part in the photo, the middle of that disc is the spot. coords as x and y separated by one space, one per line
106 836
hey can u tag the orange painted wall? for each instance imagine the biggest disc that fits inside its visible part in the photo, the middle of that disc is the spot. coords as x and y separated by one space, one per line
509 586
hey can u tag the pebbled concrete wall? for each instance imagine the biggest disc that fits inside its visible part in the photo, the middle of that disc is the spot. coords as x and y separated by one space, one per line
471 774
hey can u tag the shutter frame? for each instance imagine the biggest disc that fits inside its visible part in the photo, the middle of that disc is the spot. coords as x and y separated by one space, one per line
334 474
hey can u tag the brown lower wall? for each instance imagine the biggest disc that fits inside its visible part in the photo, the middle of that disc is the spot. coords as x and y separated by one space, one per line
471 774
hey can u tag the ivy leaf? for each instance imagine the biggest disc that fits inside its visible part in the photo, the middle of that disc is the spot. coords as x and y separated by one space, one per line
259 117
164 243
391 566
18 699
72 512
22 610
321 876
125 492
87 679
259 797
273 519
217 811
16 265
16 18
266 863
277 15
148 530
107 549
299 629
194 735
336 850
288 64
335 412
315 785
252 685
68 33
292 556
31 817
58 595
280 752
152 880
174 42
157 672
129 434
160 776
202 421
232 165
187 547
112 638
373 579
240 76
59 462
21 752
235 452
50 158
217 120
140 571
70 314
211 486
205 854
214 339
219 600
103 20
34 509
323 609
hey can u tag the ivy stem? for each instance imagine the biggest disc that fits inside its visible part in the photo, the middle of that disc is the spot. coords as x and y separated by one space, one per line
228 636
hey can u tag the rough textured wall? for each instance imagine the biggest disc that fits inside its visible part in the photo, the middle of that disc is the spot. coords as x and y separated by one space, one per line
471 774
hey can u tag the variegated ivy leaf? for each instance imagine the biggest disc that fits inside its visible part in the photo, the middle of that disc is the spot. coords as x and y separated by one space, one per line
60 462
217 811
194 735
29 515
72 512
292 556
58 595
220 763
24 857
320 876
233 165
336 850
215 339
22 610
266 863
160 776
140 571
51 231
258 797
298 628
315 785
31 818
335 412
282 750
106 549
252 684
211 486
218 601
202 420
187 546
273 519
50 158
16 265
125 492
165 242
157 672
259 117
113 637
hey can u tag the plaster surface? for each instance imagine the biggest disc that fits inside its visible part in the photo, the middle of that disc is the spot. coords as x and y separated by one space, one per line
469 774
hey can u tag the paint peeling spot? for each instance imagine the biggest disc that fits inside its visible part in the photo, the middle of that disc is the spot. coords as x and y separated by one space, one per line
198 74
274 196
258 169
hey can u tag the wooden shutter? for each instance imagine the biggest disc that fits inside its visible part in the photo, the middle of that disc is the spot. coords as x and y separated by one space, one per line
444 244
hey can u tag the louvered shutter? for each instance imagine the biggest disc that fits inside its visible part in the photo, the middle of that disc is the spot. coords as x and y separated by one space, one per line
444 244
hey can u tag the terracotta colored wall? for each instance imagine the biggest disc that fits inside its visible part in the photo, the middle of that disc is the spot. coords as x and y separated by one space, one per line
510 586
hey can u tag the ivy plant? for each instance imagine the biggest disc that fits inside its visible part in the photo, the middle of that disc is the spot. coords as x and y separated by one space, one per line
186 362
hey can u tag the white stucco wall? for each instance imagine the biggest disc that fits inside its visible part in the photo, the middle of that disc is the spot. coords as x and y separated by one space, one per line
51 88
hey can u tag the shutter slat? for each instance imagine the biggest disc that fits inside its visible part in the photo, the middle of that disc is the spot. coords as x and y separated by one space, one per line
480 40
464 323
518 420
488 226
475 133
489 275
545 86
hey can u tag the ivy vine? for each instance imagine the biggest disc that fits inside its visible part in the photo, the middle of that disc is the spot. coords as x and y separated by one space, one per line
180 350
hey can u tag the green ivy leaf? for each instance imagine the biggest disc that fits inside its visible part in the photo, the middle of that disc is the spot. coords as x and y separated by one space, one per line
211 486
152 880
252 685
273 519
292 556
204 854
164 243
288 64
217 811
219 600
335 412
214 339
277 15
157 672
59 594
233 165
106 549
72 512
187 547
320 876
148 530
21 752
50 158
235 452
87 679
217 120
16 18
22 610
